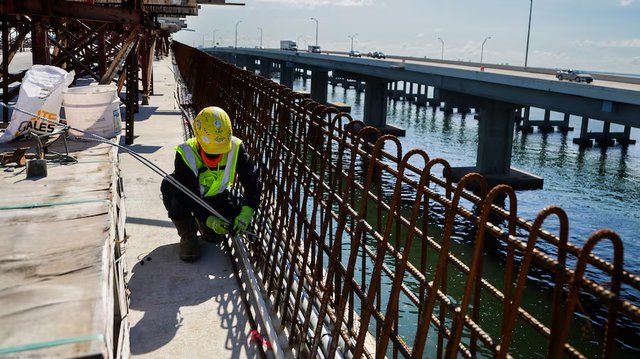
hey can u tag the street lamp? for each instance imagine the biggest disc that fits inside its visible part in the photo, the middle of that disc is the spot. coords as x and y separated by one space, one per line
214 37
442 51
526 54
260 36
316 20
351 37
237 23
482 50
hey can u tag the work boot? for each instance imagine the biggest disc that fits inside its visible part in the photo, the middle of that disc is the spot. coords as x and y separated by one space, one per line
189 246
207 234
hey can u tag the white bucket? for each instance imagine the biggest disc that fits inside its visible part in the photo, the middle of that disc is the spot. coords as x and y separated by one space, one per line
91 94
94 109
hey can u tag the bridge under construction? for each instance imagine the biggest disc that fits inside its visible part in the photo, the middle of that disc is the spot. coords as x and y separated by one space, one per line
360 248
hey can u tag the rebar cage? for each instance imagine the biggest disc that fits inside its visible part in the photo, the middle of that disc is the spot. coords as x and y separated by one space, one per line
365 251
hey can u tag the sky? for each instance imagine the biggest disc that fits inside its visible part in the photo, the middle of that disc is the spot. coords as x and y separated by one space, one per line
588 35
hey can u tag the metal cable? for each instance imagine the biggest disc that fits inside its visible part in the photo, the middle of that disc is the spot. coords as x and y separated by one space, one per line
135 155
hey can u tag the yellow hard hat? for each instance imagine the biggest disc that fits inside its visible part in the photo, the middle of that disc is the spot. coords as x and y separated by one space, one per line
213 130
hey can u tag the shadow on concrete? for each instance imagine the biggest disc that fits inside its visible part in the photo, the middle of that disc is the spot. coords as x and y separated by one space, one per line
143 114
150 222
174 296
139 148
167 113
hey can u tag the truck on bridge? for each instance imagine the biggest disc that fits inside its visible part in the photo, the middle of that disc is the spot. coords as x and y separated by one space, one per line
288 45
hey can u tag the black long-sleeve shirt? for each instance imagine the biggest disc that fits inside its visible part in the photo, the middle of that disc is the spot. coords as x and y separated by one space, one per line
246 171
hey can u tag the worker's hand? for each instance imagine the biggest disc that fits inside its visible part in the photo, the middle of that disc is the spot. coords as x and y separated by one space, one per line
217 225
242 221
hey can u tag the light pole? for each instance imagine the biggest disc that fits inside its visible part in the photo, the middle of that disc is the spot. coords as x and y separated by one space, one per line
316 20
352 37
260 36
526 54
214 37
442 51
237 23
482 50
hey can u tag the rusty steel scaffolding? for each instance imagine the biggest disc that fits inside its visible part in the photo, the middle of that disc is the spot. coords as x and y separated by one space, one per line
106 41
355 234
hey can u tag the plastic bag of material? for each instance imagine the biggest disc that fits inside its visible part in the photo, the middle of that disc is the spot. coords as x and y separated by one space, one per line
40 94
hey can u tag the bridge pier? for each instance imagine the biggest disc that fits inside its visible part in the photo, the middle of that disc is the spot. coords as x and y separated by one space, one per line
375 107
495 140
319 80
546 125
605 138
286 74
265 68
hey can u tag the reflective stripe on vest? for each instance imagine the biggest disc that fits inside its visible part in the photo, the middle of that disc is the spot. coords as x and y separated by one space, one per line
190 159
191 156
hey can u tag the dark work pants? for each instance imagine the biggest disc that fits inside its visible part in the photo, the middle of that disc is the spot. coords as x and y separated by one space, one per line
180 206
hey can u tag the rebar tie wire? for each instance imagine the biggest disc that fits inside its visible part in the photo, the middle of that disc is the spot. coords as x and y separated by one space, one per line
135 155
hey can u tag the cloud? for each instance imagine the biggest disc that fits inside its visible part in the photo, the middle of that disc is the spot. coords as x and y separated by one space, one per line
625 2
313 3
630 43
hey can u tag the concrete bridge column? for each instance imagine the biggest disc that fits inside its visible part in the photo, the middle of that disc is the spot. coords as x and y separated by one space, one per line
319 80
564 127
250 63
375 107
584 140
495 138
421 98
606 140
265 68
626 137
375 103
286 74
545 126
496 122
526 125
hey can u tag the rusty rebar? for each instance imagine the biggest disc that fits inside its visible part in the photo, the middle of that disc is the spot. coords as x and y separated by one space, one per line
330 223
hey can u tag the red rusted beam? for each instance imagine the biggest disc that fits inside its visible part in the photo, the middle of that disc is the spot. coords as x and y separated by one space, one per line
120 57
13 48
40 43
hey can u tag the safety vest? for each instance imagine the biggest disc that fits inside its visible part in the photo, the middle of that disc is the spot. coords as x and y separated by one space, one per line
212 181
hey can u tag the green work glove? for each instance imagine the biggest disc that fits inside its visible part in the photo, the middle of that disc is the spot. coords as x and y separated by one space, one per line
242 221
217 225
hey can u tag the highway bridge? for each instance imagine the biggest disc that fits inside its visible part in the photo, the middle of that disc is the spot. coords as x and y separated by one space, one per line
496 92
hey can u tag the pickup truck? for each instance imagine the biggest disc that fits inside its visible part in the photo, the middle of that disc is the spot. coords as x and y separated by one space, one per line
573 75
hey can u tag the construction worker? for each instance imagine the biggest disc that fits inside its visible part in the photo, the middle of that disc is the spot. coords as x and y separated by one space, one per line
207 165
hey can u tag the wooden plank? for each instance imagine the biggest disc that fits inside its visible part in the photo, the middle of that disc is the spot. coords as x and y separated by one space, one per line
59 284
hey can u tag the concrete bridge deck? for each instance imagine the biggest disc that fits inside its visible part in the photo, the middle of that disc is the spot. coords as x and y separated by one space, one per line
177 309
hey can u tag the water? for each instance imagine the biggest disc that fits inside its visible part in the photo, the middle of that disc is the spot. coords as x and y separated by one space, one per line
597 187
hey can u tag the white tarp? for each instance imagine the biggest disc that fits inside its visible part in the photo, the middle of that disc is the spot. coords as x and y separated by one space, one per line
40 94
